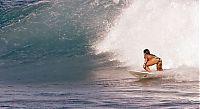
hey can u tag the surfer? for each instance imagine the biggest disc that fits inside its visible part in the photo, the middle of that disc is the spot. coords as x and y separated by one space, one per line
151 59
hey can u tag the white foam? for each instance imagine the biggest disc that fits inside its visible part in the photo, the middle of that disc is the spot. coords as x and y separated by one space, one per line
168 28
116 1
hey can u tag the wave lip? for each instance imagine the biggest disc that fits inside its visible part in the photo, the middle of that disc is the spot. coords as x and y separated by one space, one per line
15 11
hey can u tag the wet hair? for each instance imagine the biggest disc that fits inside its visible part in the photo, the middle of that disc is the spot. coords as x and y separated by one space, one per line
146 51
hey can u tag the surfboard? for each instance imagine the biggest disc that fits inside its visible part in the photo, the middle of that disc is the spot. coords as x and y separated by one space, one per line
145 74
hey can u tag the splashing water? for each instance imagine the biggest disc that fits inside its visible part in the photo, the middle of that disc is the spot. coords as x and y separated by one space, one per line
168 28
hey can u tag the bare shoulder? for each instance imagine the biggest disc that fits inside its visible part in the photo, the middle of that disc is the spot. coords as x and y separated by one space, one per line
146 56
152 55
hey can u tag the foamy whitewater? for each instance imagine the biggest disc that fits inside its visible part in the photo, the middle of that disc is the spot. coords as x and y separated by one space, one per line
76 54
169 29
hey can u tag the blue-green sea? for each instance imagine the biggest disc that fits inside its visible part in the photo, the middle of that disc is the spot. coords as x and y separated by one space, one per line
76 54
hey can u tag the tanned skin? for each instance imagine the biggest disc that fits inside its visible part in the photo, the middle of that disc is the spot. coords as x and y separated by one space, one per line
150 60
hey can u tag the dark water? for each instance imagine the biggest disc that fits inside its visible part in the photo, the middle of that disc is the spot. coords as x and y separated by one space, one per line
47 60
110 89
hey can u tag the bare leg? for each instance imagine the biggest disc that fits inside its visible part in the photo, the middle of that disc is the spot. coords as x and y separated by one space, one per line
150 63
159 66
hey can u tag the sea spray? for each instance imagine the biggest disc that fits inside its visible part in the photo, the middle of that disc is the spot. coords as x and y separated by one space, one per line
168 28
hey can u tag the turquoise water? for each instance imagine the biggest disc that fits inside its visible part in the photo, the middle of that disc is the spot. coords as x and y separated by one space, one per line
61 54
50 38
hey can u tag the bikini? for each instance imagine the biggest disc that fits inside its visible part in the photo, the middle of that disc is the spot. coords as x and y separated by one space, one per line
159 59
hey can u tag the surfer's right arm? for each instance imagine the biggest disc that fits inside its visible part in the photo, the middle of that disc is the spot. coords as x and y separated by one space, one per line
145 62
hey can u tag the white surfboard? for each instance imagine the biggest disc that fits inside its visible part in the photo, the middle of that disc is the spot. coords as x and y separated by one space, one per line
145 74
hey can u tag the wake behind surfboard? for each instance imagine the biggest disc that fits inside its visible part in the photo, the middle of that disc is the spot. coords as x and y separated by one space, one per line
144 74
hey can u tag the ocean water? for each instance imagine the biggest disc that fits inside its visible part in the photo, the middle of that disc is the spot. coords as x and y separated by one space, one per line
60 54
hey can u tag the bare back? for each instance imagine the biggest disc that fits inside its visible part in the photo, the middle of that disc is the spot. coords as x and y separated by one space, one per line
149 56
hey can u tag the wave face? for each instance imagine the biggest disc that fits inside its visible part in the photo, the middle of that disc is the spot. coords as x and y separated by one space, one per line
61 40
44 40
168 28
